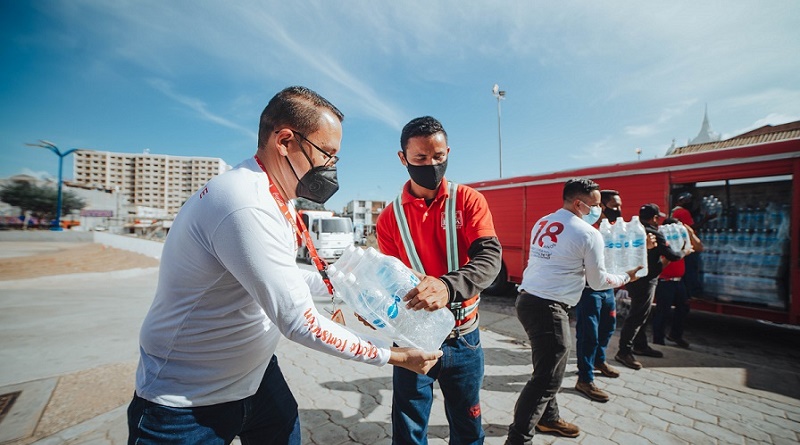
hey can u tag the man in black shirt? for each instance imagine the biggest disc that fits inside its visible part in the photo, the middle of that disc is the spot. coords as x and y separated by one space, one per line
633 339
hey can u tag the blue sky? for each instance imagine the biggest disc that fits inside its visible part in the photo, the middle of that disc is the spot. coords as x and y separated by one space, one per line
587 82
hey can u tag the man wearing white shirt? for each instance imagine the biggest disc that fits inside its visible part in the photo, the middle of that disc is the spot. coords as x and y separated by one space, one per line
566 253
229 287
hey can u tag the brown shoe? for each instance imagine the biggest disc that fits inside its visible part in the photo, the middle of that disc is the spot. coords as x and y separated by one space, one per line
628 360
590 390
559 426
648 352
679 341
607 370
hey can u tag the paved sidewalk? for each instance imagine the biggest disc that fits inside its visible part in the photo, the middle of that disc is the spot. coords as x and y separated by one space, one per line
69 343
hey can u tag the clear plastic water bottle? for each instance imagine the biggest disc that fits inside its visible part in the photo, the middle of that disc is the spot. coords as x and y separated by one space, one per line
349 260
368 302
621 243
422 329
671 236
375 287
684 235
608 246
638 246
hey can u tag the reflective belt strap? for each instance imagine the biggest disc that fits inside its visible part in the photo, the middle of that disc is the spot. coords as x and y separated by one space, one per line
461 312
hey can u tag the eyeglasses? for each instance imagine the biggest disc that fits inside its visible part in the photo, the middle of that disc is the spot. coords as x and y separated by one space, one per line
331 159
587 205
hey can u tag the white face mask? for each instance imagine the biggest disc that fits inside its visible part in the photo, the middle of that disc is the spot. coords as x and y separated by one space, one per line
594 213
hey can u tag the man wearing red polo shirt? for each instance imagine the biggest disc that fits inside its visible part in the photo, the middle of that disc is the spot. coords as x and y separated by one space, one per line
445 232
671 291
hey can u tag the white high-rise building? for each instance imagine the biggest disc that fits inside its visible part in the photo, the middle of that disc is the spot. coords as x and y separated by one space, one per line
161 182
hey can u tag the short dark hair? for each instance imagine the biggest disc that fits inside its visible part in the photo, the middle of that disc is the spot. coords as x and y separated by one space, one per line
421 126
606 195
578 187
296 107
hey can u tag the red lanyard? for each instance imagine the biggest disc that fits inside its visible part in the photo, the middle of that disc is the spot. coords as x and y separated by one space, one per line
299 227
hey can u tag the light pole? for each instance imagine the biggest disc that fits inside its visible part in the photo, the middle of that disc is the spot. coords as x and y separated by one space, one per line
500 95
52 147
638 154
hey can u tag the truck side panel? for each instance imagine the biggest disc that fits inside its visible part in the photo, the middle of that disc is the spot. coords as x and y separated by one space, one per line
509 223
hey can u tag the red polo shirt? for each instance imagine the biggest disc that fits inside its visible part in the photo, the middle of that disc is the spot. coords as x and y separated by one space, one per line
427 227
683 216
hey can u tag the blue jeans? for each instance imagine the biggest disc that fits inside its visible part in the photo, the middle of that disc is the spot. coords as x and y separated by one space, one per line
596 314
267 417
460 375
668 294
547 324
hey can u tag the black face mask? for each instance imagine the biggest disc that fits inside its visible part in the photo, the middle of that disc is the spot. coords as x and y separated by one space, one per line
428 176
612 214
318 185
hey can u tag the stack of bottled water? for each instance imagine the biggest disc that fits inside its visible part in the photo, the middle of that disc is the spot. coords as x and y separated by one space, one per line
711 206
373 285
745 258
676 235
624 246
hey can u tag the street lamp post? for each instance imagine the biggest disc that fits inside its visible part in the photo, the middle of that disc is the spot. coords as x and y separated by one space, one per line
500 95
52 147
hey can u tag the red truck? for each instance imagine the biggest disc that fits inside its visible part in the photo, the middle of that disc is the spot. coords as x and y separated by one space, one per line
751 263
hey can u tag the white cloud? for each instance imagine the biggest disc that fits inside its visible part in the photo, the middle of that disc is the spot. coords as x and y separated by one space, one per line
658 126
39 174
199 107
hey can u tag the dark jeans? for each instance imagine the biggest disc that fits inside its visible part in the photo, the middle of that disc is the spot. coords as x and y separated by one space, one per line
596 320
691 278
267 417
668 294
460 375
547 324
633 335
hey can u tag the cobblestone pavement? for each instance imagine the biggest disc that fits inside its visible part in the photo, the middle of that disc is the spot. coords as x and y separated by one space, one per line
646 406
46 343
348 403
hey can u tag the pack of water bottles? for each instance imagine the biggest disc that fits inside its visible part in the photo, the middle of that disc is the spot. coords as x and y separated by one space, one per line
624 246
676 235
373 285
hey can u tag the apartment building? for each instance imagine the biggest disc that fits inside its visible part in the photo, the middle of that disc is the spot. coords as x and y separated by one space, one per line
148 180
364 215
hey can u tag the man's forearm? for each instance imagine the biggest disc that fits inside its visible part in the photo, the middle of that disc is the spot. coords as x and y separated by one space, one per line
486 256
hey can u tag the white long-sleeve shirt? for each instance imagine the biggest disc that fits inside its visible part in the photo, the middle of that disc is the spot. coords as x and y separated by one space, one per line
228 288
565 254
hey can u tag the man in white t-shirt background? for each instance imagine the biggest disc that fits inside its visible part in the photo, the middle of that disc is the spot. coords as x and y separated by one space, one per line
566 253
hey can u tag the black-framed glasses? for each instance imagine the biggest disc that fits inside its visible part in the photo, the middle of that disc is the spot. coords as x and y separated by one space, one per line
331 159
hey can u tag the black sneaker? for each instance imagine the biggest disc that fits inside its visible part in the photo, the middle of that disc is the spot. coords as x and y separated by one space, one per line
649 352
679 341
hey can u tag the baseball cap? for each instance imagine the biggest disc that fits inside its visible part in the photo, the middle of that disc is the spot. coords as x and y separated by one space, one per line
648 211
684 196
